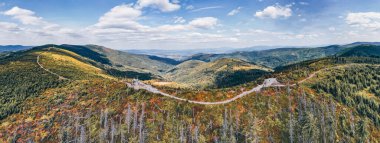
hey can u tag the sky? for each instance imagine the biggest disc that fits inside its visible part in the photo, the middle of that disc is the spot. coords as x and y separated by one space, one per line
188 24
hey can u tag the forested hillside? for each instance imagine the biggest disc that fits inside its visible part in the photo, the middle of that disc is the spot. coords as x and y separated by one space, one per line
21 78
275 57
134 62
361 51
338 101
216 74
356 86
108 111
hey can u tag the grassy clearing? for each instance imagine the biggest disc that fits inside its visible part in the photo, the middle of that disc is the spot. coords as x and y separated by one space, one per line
69 66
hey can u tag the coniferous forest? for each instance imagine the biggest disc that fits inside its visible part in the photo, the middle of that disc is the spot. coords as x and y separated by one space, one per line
189 71
69 96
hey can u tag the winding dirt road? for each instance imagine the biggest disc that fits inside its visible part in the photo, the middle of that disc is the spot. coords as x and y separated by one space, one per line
60 77
270 82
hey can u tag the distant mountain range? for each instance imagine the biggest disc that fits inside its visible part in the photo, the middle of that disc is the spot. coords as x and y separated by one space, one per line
186 53
12 48
283 56
83 93
203 70
274 57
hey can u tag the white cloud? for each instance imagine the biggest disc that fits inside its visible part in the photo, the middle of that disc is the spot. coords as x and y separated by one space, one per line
234 11
190 7
198 23
274 12
122 16
204 22
24 16
122 25
122 12
206 8
163 5
7 26
119 27
179 19
125 18
33 25
366 20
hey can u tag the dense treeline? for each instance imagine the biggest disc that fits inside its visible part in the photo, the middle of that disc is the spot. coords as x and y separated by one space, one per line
275 57
86 52
129 74
20 79
118 114
353 86
165 60
301 70
362 51
227 78
309 122
341 106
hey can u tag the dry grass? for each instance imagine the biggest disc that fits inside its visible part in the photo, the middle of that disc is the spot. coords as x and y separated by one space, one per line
63 64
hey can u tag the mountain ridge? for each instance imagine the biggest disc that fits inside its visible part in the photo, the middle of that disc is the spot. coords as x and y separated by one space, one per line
339 96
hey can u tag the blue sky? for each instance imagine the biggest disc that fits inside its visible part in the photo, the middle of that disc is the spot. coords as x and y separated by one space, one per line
188 24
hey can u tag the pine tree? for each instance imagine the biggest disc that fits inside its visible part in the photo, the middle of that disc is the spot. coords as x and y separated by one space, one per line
352 124
307 127
362 131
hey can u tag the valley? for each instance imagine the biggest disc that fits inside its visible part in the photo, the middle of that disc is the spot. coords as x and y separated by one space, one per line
91 93
189 71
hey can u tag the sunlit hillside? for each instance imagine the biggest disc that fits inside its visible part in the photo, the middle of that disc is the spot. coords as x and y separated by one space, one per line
332 99
219 73
189 71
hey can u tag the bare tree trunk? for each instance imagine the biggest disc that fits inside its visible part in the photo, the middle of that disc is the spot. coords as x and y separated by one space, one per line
300 116
105 130
128 118
323 123
225 125
291 121
76 124
352 124
121 130
141 127
113 131
82 135
135 120
333 122
196 134
181 136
